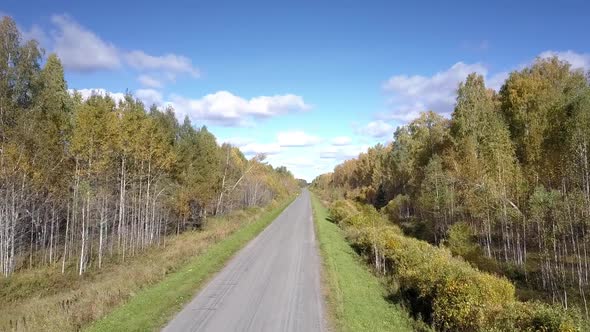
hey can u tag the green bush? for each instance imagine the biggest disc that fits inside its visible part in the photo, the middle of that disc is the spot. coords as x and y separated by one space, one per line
366 216
398 209
461 242
342 210
535 316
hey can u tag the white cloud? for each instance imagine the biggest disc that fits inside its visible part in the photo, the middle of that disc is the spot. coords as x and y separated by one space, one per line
304 166
87 93
411 95
237 141
342 153
266 106
299 162
497 80
577 60
149 97
36 33
296 139
303 161
341 141
149 81
220 108
377 129
251 149
168 63
226 109
80 49
330 152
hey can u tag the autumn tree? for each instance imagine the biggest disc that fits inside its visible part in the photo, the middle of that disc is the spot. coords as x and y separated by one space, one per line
82 179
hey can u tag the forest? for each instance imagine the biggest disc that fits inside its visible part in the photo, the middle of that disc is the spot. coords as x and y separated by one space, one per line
504 183
83 180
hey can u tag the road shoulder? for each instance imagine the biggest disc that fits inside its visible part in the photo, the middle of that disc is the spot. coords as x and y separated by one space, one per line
154 306
355 297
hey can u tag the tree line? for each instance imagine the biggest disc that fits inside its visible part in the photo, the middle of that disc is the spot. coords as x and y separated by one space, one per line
508 170
82 180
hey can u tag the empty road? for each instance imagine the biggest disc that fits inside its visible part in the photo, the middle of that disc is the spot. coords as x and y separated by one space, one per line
273 284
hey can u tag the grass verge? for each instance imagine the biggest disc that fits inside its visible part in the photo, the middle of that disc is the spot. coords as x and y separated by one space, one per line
44 299
154 306
356 298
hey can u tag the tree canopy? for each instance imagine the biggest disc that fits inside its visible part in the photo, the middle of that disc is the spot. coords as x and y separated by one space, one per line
509 167
81 179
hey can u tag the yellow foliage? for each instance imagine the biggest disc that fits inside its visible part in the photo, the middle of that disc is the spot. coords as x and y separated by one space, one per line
460 297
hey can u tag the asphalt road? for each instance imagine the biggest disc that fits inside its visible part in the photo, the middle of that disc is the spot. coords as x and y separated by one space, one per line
273 284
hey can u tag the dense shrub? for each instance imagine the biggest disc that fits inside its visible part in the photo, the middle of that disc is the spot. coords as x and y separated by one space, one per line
462 298
398 209
461 241
366 216
535 316
342 210
453 295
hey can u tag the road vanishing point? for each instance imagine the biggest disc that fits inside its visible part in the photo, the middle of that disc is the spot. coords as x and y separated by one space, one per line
272 284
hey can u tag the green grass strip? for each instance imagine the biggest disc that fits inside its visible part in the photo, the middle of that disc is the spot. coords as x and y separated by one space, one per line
356 297
153 307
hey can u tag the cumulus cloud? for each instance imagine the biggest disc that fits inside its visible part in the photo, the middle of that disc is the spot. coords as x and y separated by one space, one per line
377 129
339 153
226 109
341 141
296 139
251 149
35 32
411 95
149 97
87 93
497 80
149 81
169 63
577 60
238 141
304 166
80 49
220 108
299 162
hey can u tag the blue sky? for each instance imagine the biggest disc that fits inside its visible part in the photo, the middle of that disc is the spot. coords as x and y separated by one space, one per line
310 83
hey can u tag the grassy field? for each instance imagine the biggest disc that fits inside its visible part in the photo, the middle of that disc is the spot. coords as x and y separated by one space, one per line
356 298
139 295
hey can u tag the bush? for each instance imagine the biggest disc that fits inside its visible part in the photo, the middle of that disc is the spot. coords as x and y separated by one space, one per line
535 316
342 210
461 298
460 241
398 209
366 216
447 291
